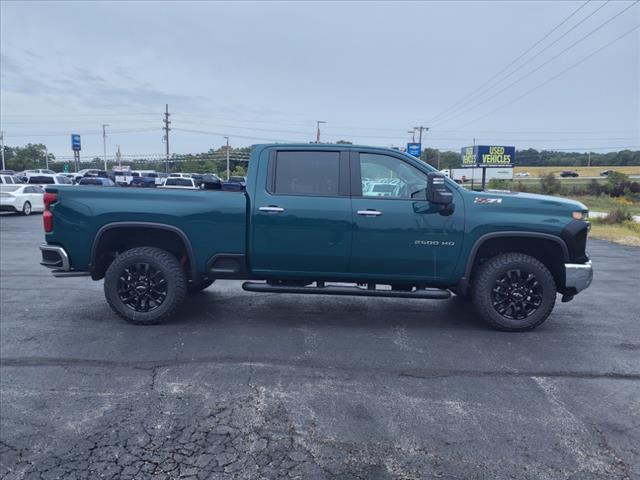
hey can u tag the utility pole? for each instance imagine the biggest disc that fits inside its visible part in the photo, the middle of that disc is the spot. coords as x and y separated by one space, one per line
104 143
589 161
228 170
2 148
46 158
413 135
420 129
119 156
166 134
318 122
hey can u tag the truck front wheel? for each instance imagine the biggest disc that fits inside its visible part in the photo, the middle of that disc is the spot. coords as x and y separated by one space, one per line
514 292
145 285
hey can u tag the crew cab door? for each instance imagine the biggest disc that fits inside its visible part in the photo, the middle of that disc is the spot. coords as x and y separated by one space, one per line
397 232
301 214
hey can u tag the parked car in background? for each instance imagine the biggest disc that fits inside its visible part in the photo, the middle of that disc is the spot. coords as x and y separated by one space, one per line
198 179
149 175
568 173
211 181
7 172
184 183
97 182
605 173
142 180
24 199
9 179
235 184
49 180
38 171
89 172
180 175
70 175
522 174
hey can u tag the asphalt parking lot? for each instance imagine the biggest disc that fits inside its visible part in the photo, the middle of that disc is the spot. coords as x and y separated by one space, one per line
243 385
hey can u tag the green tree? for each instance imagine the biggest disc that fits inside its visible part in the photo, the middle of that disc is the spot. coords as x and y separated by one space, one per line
29 156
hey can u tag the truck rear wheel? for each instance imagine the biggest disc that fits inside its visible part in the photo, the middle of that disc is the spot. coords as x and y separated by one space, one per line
514 292
145 285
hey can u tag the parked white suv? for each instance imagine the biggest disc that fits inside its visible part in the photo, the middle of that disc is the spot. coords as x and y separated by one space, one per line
184 183
49 180
10 180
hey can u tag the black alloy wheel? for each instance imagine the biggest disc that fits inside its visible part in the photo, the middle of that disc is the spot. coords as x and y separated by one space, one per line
517 294
513 292
145 285
142 287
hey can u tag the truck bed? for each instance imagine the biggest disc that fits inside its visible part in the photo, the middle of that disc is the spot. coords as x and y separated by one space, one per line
202 215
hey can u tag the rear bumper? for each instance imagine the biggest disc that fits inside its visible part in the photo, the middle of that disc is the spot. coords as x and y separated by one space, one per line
55 257
578 276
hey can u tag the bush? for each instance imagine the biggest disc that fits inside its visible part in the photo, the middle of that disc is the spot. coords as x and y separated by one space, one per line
617 183
519 187
498 184
549 184
618 215
634 187
594 188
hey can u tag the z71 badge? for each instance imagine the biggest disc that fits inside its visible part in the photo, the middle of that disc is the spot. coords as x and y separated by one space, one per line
485 200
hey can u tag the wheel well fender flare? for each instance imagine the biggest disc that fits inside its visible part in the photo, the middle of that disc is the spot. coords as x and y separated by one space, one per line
464 281
150 225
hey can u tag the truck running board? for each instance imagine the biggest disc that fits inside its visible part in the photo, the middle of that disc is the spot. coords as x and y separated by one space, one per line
429 293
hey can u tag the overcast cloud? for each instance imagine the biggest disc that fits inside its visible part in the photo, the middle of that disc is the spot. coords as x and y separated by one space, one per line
267 71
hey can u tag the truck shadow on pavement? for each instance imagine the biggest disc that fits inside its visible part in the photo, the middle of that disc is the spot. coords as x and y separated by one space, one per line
298 310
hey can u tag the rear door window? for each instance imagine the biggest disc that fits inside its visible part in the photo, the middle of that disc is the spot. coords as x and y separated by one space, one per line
306 173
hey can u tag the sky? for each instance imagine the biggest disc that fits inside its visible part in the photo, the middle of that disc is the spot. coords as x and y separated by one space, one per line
553 75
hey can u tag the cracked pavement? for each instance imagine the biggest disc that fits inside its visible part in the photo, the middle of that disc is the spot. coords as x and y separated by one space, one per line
261 386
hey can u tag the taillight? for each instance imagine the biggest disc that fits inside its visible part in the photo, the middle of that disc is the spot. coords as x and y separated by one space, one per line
47 217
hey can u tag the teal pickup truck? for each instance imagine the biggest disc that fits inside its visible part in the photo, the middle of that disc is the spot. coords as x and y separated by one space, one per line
328 220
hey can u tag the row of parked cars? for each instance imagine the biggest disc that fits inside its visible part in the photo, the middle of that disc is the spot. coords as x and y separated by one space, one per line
22 192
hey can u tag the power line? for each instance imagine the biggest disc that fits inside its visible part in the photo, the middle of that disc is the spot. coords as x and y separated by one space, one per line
166 132
628 32
473 107
83 132
464 99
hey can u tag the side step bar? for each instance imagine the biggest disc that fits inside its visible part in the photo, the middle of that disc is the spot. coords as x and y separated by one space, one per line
429 293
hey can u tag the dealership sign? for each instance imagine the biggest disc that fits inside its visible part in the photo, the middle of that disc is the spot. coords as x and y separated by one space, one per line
414 149
75 142
486 156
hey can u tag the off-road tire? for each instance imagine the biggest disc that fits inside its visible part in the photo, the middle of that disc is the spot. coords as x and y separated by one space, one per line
490 272
198 287
162 261
26 208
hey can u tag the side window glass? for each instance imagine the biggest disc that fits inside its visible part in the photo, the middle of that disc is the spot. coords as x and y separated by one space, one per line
390 177
307 173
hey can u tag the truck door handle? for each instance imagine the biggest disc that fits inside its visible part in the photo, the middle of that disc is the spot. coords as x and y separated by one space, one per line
369 213
271 209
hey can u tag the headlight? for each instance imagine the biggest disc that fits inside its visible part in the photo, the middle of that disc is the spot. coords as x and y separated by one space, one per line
580 215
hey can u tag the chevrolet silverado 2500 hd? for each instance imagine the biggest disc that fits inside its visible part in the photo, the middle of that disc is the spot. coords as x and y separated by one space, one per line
310 222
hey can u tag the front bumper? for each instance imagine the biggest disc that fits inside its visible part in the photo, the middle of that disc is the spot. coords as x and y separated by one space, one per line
578 276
